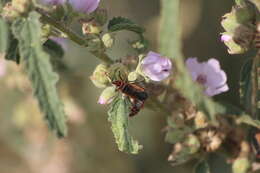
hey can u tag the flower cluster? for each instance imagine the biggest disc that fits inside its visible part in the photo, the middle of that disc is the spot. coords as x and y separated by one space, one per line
208 74
155 67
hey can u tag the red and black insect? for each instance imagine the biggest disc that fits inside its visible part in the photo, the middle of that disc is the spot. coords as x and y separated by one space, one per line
136 93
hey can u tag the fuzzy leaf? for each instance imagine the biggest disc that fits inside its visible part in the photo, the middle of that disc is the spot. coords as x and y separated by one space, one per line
202 167
118 116
4 32
170 46
120 23
12 53
246 119
245 85
39 70
238 16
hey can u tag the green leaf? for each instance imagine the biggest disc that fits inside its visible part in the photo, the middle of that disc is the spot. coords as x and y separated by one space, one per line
238 16
12 53
246 119
120 23
202 167
39 70
170 46
4 32
118 116
245 85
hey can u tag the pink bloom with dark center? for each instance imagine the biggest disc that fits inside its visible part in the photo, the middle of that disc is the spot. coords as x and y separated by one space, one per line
84 6
156 67
209 75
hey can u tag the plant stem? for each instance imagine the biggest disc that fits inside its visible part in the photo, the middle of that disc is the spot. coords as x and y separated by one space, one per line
255 77
71 35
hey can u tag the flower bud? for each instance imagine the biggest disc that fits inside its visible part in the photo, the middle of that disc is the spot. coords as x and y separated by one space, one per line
108 40
241 165
193 143
91 28
118 71
238 36
183 152
99 77
200 120
107 95
133 76
140 45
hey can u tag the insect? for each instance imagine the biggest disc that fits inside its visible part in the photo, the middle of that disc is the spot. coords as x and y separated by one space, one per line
136 93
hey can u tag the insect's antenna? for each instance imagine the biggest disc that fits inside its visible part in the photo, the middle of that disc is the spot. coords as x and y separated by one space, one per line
120 76
110 80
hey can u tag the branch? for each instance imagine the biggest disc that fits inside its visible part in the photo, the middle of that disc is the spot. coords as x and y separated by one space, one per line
71 35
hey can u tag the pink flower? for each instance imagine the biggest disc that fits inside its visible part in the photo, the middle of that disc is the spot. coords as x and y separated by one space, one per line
225 38
85 6
53 2
209 75
107 95
156 67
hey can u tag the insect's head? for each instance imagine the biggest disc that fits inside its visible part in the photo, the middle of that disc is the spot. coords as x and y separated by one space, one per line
118 83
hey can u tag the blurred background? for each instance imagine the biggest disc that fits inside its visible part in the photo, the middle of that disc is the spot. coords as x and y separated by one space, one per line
26 145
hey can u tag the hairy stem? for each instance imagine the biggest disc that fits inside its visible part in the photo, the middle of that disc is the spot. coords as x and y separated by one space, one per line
71 35
255 86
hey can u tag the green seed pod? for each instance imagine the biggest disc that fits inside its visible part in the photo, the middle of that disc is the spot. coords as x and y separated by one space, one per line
133 76
99 77
193 143
91 28
200 120
118 71
107 95
241 165
108 40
